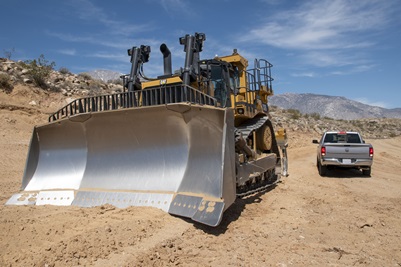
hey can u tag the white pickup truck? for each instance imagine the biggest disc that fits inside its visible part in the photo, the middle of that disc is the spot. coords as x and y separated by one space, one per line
343 149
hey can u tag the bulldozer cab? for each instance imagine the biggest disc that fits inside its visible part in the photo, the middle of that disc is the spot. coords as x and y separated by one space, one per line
220 80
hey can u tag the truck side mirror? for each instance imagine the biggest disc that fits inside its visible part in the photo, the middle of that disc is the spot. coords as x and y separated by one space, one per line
315 141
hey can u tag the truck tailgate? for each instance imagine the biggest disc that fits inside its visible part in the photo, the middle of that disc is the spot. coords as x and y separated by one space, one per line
350 151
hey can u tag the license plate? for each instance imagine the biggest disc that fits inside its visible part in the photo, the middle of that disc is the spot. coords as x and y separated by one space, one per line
347 161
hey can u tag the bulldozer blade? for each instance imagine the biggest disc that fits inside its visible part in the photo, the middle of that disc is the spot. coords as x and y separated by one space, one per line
176 157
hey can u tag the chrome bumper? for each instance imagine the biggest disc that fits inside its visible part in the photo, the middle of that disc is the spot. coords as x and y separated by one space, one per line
347 162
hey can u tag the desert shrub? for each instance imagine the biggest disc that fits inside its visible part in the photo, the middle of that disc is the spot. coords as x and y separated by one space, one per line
95 88
5 82
39 70
54 88
357 123
9 53
85 76
315 115
294 113
64 70
116 81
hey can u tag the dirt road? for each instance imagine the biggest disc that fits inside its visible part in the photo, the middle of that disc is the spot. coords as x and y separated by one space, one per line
344 219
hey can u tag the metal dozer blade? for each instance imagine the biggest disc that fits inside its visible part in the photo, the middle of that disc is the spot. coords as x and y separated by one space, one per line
176 157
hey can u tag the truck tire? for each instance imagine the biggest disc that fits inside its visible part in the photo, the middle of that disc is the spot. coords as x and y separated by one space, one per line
367 171
322 169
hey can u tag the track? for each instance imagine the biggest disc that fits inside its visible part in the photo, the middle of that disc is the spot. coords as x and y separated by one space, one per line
265 180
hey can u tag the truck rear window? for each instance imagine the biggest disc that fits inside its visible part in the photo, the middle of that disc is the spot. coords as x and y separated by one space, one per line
342 138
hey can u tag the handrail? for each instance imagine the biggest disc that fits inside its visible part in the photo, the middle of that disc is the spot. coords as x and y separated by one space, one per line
147 97
262 73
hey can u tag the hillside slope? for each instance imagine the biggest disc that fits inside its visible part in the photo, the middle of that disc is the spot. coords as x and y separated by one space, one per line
336 107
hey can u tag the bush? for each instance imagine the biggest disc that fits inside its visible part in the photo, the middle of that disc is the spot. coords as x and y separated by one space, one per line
5 82
39 70
315 115
116 81
64 70
295 113
95 88
357 123
9 53
85 76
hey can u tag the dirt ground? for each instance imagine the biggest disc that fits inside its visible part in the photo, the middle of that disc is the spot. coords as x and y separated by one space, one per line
344 219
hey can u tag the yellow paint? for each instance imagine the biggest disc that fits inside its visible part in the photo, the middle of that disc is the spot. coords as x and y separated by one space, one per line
162 82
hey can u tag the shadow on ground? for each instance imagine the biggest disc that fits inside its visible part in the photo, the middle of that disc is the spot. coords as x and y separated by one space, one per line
233 213
336 172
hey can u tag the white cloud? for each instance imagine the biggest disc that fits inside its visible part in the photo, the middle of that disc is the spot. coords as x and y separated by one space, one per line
323 58
353 69
181 7
272 2
328 24
327 33
106 55
86 10
122 44
68 52
304 74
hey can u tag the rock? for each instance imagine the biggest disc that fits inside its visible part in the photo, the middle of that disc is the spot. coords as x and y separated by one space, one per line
365 223
27 80
32 103
64 92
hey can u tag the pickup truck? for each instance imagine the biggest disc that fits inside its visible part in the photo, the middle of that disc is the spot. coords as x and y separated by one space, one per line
343 149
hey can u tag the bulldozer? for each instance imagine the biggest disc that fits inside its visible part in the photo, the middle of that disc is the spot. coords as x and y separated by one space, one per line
189 142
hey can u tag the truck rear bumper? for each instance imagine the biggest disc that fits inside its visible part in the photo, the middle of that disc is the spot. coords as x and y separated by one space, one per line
347 162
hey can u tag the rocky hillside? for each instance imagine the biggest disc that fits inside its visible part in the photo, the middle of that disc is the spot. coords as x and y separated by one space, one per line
104 75
63 81
335 107
65 87
315 125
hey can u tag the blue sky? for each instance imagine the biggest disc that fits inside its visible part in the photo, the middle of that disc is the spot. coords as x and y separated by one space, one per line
349 48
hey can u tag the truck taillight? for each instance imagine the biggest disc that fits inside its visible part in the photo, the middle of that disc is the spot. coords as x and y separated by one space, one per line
371 151
323 151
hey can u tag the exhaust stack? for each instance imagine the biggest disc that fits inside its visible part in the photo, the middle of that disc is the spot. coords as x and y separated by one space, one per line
166 59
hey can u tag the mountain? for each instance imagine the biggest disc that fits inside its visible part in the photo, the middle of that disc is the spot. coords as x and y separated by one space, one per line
104 75
336 107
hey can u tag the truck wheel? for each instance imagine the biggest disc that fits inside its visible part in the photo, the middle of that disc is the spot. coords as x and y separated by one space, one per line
322 169
367 171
